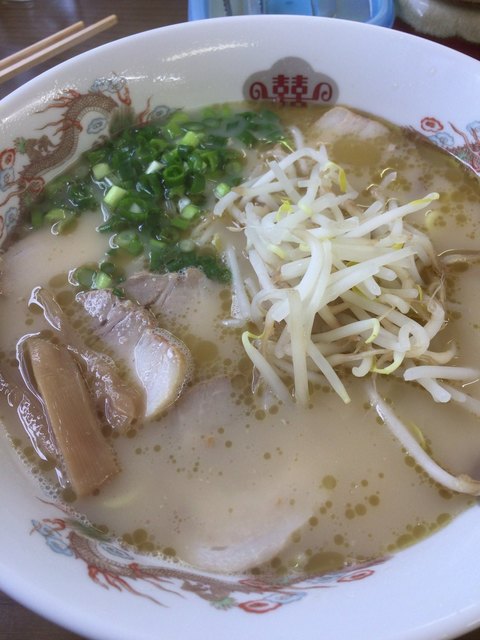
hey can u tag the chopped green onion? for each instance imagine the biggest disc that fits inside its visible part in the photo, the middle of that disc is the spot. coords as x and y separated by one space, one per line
197 184
101 170
37 218
154 167
64 225
132 208
211 158
61 219
108 267
129 241
191 139
156 179
182 203
79 195
190 211
158 144
54 215
221 189
173 175
101 280
114 195
84 276
173 128
157 245
56 185
180 223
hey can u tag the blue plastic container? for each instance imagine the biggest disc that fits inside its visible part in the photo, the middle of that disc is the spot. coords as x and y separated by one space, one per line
380 12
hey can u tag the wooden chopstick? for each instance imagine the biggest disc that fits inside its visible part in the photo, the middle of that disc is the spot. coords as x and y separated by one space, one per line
41 44
50 47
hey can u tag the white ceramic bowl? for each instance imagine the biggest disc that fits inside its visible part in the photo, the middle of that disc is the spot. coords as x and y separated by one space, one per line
47 562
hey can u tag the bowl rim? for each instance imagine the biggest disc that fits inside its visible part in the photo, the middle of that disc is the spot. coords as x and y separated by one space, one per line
247 19
18 584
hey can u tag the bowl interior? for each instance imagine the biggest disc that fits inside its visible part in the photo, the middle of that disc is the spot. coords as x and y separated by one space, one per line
46 557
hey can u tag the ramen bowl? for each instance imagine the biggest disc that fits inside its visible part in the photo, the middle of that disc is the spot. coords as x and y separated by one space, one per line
66 570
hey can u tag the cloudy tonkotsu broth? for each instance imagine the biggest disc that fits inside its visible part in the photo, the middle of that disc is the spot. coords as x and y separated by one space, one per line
226 481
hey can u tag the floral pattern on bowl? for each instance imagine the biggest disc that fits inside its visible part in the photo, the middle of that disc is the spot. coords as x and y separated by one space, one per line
111 565
462 143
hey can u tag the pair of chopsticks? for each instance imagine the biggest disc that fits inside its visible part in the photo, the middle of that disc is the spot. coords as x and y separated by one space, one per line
51 46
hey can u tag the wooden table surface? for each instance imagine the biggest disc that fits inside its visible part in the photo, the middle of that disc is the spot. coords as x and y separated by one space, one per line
21 24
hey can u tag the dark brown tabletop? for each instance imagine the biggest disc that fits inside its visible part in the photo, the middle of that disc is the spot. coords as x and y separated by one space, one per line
22 24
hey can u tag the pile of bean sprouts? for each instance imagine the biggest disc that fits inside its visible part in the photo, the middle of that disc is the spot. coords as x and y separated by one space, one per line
339 285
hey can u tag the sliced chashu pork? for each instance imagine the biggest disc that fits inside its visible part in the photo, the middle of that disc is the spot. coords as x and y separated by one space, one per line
157 361
339 121
121 404
155 290
247 518
186 299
